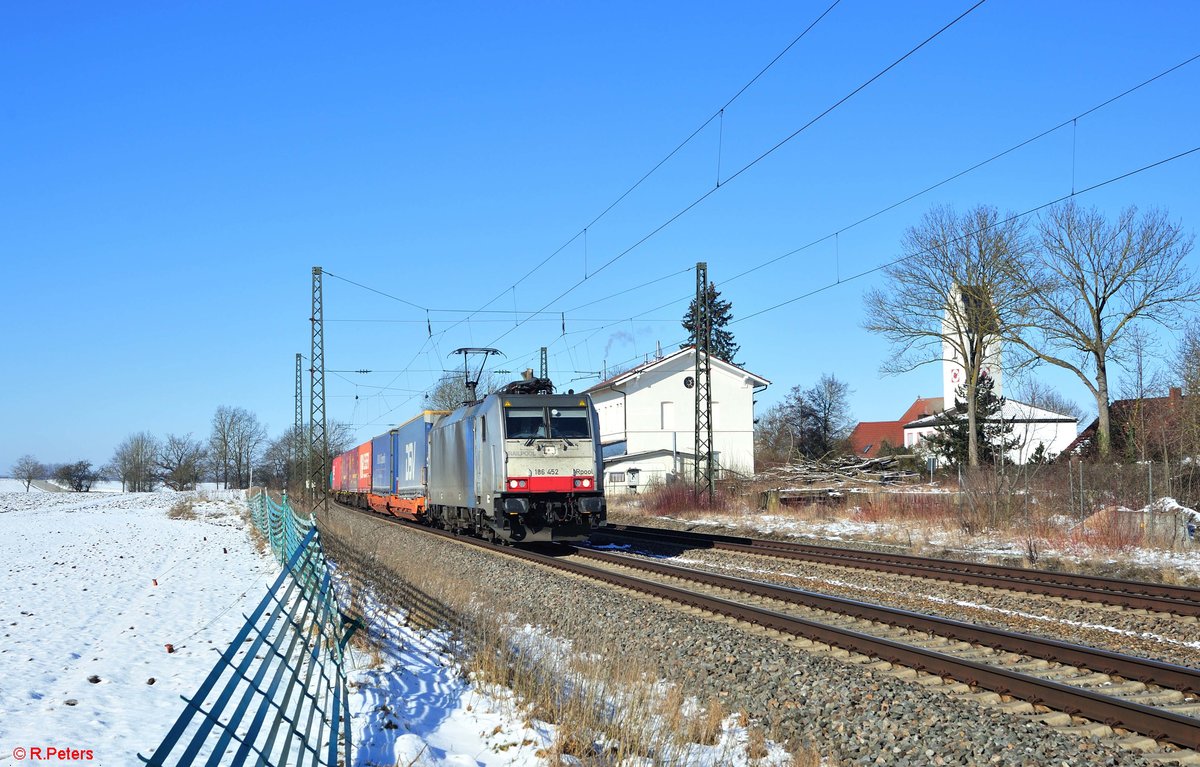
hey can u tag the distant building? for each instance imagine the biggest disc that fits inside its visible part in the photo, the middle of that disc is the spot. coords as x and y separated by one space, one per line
1032 426
1140 428
648 420
869 437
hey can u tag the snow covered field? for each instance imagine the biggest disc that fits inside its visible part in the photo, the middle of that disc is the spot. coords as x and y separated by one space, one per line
79 603
95 586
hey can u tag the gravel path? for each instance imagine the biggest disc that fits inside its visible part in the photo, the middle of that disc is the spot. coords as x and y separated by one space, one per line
1134 632
852 714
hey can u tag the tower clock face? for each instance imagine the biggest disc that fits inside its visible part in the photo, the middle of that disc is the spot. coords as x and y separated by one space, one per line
689 382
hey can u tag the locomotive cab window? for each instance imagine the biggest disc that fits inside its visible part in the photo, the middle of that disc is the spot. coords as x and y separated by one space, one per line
525 423
569 422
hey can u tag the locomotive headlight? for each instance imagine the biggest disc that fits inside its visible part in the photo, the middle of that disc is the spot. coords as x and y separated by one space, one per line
512 483
522 483
576 483
587 483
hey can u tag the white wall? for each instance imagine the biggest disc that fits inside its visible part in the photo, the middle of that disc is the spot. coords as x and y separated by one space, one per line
657 411
1031 425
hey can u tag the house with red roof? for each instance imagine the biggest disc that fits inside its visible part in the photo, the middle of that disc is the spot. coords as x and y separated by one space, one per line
869 437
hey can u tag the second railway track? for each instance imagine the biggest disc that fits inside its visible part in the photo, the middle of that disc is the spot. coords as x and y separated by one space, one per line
1154 699
1138 595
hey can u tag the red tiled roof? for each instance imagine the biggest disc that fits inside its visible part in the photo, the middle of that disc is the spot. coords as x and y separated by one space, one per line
922 407
868 437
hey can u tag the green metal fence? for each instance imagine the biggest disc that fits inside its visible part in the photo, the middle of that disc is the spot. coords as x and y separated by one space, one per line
277 696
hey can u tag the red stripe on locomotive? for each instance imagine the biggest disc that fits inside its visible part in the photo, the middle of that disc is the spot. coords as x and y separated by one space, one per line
550 484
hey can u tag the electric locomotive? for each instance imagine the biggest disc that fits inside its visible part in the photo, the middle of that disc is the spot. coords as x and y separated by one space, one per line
521 465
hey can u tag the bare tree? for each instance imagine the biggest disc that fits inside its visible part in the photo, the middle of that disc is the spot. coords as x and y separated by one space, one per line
220 443
134 462
27 469
1093 283
952 298
78 476
234 444
180 462
1034 392
1186 372
247 438
809 422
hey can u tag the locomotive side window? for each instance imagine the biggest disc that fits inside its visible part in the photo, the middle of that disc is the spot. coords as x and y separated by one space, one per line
569 422
525 423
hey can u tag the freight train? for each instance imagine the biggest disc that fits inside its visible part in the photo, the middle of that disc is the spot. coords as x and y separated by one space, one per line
521 465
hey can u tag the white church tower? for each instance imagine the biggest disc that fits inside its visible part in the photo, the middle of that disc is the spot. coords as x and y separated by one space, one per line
954 375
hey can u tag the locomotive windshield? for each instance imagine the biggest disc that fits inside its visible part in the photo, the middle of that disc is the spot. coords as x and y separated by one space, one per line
569 422
525 423
543 423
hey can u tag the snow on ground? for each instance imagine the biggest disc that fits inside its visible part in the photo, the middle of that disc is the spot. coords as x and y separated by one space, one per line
78 601
414 705
9 485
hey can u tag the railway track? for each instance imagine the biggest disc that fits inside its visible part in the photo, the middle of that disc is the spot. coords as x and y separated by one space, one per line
1138 595
1155 699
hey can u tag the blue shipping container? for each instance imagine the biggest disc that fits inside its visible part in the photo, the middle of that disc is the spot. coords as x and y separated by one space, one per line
412 454
383 469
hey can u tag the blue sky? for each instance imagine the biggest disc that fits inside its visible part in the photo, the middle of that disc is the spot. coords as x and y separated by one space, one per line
172 172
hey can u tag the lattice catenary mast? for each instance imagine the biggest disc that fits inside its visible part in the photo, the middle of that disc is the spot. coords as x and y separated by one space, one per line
705 477
318 473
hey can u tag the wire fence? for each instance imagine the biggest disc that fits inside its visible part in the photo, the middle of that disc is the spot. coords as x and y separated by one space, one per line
277 696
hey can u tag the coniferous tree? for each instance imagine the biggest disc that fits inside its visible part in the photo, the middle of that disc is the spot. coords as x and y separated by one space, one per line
993 434
722 345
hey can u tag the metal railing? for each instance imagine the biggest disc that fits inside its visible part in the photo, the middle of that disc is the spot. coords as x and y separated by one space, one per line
277 696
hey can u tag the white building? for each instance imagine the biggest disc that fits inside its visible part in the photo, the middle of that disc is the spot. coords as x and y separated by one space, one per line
648 420
956 323
1033 426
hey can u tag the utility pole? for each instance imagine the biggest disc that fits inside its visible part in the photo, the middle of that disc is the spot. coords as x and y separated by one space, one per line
318 477
298 432
544 368
705 477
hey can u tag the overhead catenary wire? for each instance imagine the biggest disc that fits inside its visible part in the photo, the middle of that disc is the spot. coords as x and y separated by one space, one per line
764 155
531 314
736 174
835 235
1029 212
654 169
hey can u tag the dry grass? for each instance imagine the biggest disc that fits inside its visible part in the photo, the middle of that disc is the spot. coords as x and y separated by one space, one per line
184 508
678 499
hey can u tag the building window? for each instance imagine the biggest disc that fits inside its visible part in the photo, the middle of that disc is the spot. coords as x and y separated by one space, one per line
616 477
667 418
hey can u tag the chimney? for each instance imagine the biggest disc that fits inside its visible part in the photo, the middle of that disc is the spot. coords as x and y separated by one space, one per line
1176 395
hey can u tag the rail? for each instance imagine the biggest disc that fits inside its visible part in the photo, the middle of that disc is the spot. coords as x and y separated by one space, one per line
1159 597
277 695
1118 712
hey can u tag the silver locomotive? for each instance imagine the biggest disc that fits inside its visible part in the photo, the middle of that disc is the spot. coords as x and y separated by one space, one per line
518 467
